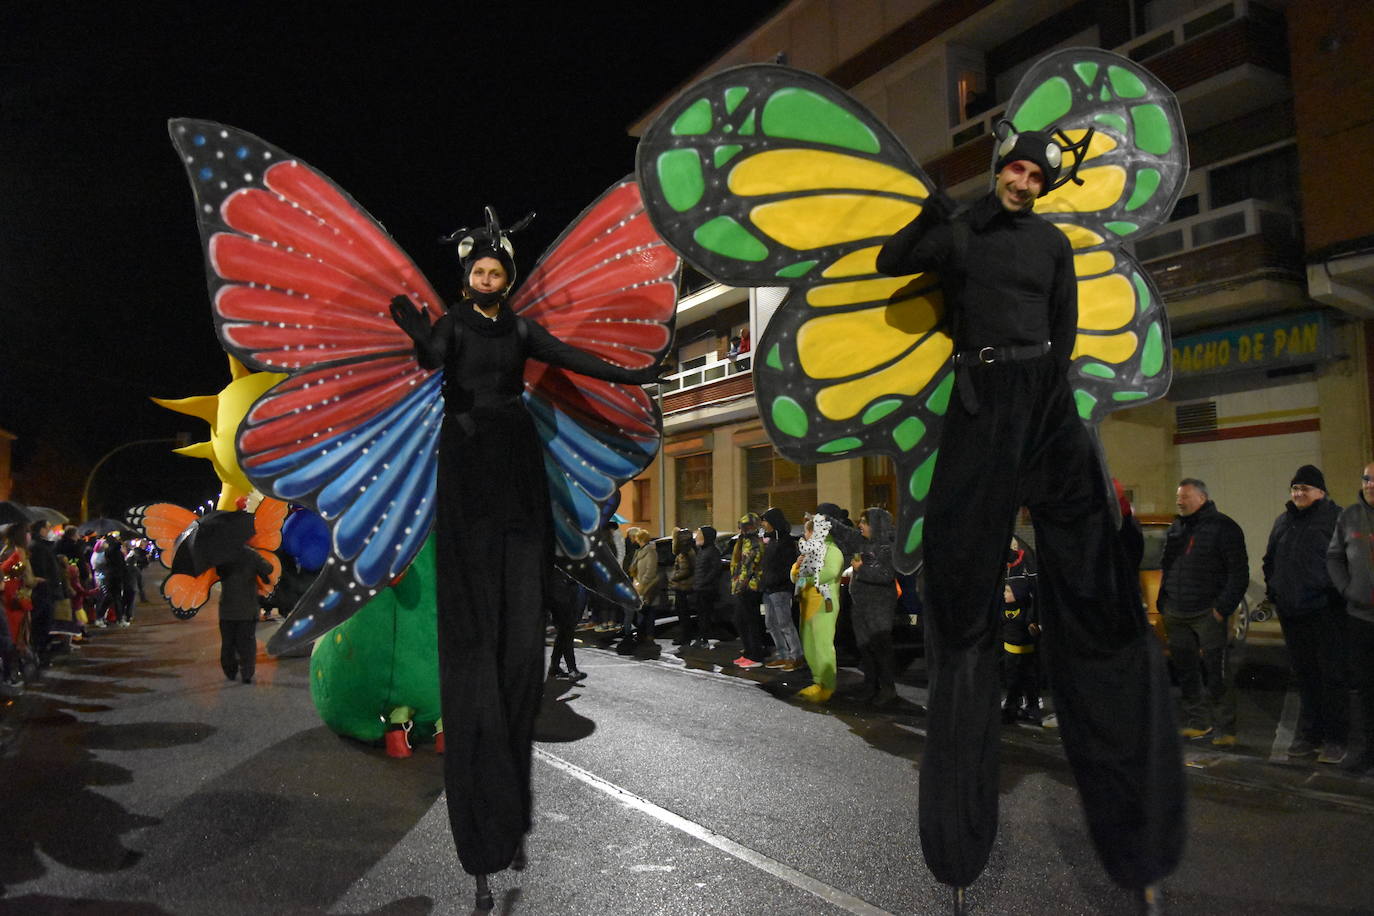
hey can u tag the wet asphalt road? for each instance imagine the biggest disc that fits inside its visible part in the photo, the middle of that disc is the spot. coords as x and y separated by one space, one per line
135 780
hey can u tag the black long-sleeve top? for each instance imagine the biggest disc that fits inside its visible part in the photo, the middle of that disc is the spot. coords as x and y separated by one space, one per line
489 371
1012 285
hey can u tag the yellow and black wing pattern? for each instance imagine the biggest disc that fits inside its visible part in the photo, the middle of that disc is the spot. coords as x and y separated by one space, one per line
765 176
1132 174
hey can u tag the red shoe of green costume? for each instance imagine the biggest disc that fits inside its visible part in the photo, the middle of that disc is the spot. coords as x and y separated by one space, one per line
384 659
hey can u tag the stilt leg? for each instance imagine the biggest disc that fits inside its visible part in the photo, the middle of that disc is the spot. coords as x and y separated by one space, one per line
484 902
959 902
1152 900
521 860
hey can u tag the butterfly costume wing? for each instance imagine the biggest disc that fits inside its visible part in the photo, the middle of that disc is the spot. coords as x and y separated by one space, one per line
301 279
607 285
1132 175
767 176
166 523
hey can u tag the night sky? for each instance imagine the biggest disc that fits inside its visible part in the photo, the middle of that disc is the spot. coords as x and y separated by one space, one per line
423 111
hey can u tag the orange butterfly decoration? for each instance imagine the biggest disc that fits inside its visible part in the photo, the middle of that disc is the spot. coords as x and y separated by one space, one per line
165 523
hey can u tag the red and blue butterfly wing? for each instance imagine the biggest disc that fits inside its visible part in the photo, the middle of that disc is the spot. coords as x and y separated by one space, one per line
608 285
301 279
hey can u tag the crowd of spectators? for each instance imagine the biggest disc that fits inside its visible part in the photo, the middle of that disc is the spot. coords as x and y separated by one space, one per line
788 595
56 584
757 585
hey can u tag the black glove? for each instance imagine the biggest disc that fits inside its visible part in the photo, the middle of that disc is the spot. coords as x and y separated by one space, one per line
939 205
410 319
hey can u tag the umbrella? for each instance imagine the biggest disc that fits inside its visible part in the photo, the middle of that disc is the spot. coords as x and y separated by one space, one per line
104 526
14 512
52 516
213 539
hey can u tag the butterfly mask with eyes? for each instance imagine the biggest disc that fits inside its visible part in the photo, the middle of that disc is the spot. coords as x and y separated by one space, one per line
490 241
1042 148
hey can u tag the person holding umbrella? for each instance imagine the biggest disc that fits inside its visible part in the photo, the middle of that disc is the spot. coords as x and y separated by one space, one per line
238 611
220 539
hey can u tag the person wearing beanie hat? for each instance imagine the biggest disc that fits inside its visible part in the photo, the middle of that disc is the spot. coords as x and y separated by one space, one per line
1312 614
1012 437
1309 475
494 544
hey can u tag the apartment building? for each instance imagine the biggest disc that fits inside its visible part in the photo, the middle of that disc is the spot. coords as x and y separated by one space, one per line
1265 266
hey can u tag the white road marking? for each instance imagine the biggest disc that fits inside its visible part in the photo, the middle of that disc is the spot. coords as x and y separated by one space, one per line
814 886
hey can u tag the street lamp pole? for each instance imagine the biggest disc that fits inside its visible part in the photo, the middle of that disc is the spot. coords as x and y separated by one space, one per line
86 490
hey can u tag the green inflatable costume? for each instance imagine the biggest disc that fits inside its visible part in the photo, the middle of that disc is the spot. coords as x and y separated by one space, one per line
380 667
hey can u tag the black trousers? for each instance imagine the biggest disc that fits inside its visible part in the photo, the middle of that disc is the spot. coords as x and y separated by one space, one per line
1021 671
1316 642
238 647
109 597
491 681
566 604
704 607
494 555
1361 636
1027 446
684 602
40 620
749 623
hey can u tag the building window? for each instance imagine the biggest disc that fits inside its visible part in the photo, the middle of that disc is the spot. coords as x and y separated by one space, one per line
880 483
694 502
1271 176
643 497
775 481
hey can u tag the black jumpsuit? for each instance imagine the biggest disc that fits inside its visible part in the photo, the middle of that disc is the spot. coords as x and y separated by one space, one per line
1017 441
494 540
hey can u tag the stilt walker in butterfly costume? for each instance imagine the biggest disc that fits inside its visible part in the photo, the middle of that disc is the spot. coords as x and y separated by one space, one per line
506 424
994 340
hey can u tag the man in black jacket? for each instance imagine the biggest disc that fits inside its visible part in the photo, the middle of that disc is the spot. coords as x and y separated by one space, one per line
1312 614
1204 574
779 553
1012 436
706 575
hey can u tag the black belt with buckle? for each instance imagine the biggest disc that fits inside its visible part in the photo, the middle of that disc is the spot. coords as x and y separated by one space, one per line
987 355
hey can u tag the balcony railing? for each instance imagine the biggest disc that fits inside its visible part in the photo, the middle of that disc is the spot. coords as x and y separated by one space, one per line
1232 32
976 126
703 370
1186 29
1247 217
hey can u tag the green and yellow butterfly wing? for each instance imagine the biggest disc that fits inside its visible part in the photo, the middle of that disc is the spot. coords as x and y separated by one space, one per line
1132 172
767 176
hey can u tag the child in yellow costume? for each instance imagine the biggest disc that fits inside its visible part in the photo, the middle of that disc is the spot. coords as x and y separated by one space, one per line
817 574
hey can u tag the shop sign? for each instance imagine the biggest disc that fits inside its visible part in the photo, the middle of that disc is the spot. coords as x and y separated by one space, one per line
1282 341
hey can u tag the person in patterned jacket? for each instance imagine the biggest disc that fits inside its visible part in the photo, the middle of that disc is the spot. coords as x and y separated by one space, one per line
746 584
